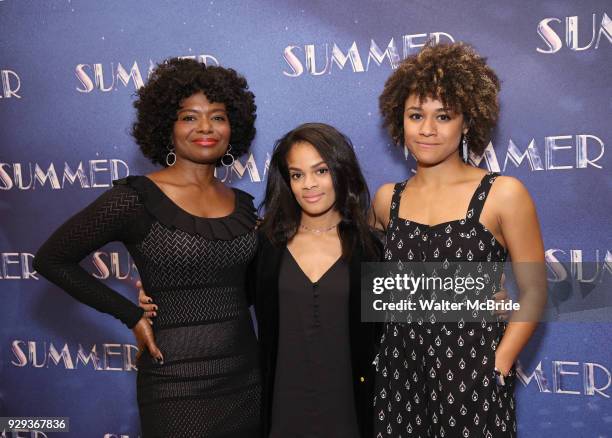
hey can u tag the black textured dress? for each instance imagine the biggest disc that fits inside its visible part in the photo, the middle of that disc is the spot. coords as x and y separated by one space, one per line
436 379
194 269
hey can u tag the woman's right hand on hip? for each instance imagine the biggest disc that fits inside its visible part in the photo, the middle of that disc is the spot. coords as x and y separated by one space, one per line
145 339
145 302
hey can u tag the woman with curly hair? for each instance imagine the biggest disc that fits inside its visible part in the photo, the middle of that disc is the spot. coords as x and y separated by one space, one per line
192 239
315 352
453 378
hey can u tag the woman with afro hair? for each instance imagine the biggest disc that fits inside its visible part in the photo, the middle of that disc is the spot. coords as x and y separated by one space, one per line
192 239
452 378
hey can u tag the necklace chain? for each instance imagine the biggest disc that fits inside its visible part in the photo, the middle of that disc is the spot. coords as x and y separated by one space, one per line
318 230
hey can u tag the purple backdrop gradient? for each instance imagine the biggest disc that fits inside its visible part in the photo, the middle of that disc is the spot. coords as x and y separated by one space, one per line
553 57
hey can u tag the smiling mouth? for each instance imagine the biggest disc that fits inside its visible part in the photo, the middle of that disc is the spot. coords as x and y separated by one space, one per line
312 198
207 142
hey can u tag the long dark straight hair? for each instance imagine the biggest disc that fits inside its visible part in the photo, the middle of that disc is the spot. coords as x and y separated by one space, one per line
282 211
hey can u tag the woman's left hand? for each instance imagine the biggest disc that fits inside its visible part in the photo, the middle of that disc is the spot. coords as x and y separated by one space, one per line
500 297
503 363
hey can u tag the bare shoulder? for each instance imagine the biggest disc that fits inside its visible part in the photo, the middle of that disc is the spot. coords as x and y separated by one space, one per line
382 198
509 186
381 205
158 177
508 193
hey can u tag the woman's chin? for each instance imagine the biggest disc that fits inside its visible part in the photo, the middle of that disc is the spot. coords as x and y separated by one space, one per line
429 161
316 210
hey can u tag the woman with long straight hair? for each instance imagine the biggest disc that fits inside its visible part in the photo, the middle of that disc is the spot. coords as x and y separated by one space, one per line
316 353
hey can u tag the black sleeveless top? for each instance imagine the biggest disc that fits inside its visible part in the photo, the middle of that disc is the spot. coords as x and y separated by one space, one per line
464 239
436 379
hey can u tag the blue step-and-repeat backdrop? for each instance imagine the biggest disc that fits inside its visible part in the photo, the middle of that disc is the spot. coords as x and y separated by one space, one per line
69 71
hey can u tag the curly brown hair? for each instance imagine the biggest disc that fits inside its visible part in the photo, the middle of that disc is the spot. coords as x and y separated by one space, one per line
176 79
452 73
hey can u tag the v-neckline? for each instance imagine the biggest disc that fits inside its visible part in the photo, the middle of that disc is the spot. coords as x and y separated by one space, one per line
306 276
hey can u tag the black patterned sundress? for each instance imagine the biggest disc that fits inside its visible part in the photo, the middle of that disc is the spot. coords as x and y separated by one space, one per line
436 379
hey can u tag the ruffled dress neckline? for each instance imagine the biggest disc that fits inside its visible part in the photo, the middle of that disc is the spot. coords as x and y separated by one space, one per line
240 221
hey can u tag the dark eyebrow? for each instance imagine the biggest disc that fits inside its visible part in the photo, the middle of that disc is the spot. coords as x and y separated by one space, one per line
192 110
418 108
312 167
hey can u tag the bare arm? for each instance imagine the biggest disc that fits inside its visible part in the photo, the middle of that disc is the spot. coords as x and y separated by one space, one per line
381 205
520 227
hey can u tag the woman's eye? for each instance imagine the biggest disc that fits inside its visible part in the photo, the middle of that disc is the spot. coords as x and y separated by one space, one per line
414 116
219 118
444 117
188 118
295 175
322 171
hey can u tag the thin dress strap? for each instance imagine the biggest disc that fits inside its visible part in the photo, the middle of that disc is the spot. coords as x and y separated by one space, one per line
395 200
480 196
